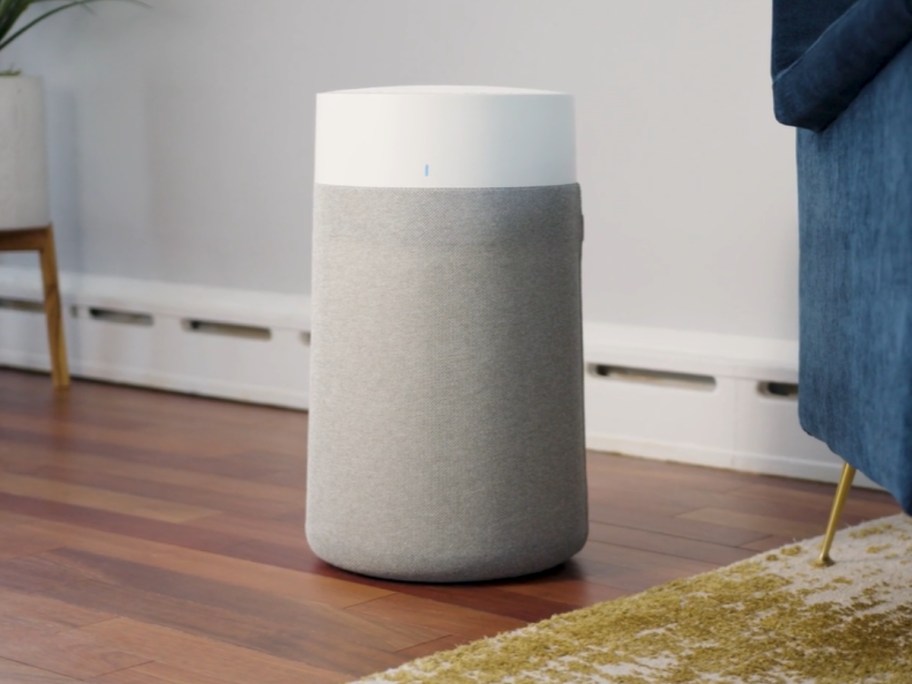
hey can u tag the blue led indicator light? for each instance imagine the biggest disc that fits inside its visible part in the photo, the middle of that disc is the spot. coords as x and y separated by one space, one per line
427 170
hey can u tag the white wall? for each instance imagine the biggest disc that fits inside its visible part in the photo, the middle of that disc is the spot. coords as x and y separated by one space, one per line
181 138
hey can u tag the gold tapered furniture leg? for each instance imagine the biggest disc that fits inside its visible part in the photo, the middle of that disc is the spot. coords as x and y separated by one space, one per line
842 491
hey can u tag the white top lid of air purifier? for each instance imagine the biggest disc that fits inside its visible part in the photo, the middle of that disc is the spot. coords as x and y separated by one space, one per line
445 137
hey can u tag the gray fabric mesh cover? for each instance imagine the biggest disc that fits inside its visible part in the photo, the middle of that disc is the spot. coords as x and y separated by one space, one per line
446 434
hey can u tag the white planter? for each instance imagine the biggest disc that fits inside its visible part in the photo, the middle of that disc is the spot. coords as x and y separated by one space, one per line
23 155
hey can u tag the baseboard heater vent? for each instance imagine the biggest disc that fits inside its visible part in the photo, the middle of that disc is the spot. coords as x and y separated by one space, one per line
741 411
645 376
249 332
778 390
236 344
118 316
21 305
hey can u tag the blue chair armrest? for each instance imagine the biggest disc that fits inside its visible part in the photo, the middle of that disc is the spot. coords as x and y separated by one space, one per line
816 87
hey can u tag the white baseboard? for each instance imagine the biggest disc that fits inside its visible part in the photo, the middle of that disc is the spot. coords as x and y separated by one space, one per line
241 345
701 399
706 399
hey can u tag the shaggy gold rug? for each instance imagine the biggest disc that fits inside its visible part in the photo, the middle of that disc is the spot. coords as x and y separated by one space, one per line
774 618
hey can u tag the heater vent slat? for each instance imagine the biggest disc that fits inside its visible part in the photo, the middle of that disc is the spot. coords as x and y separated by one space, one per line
778 390
30 305
120 316
646 376
250 332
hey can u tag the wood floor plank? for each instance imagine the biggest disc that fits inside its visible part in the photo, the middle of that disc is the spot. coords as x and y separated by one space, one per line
810 499
278 530
118 523
430 647
18 540
666 544
207 657
292 586
184 435
769 543
762 524
157 673
569 585
19 673
37 574
254 618
62 450
441 619
68 652
69 492
619 473
170 497
483 596
28 461
50 426
632 558
675 524
38 612
627 580
327 638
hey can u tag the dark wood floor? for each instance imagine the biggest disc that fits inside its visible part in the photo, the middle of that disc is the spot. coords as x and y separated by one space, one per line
148 538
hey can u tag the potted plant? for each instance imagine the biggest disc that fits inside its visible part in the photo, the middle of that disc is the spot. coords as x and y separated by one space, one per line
23 166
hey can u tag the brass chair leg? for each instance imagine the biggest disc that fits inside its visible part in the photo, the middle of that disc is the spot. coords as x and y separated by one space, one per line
842 491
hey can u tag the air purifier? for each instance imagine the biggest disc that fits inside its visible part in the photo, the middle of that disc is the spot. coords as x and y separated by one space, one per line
446 436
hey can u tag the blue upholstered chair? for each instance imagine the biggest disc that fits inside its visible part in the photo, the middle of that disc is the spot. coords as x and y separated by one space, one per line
842 74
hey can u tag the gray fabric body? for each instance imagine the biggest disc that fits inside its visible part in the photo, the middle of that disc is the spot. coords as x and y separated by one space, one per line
446 432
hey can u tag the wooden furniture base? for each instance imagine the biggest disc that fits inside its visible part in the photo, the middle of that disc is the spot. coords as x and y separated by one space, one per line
41 240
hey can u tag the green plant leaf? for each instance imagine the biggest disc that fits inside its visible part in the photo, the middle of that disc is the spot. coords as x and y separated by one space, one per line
11 10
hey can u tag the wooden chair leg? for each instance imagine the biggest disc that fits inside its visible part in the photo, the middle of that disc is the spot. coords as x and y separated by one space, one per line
842 491
60 372
41 239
